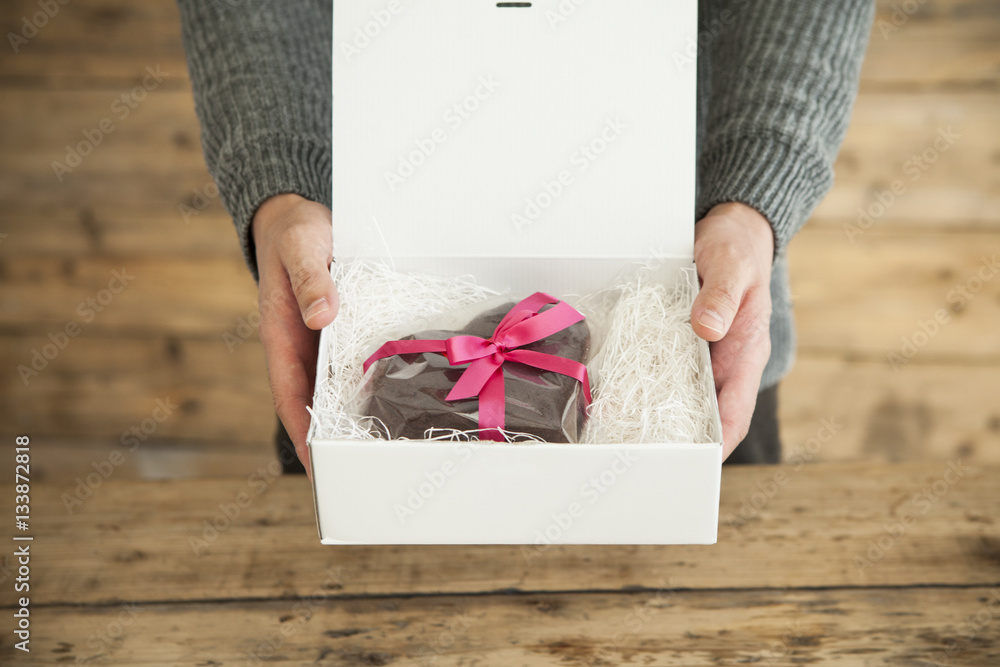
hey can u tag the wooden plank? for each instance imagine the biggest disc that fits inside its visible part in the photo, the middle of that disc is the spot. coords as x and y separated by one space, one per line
151 165
866 298
102 388
943 185
923 412
828 525
860 298
87 42
94 390
661 627
933 44
126 230
61 462
943 44
107 151
200 296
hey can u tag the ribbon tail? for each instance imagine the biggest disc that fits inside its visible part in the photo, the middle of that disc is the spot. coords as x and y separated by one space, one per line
555 319
525 308
549 362
491 407
474 379
395 347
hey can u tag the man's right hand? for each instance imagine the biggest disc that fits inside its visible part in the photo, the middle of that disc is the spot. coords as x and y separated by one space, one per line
297 298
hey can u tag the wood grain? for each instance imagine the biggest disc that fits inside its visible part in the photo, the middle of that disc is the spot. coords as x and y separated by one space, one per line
866 298
945 187
103 387
934 44
828 525
152 164
858 298
199 297
87 43
655 627
125 205
944 44
147 153
925 409
61 462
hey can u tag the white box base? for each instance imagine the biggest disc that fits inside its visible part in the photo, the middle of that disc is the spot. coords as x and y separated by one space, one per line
533 494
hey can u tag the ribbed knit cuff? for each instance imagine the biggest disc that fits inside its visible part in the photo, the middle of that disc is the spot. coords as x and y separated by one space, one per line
783 182
266 166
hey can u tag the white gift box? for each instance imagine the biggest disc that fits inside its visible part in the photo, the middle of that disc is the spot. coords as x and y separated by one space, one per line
537 146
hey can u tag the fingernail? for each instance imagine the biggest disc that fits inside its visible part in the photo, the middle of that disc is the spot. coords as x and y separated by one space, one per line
318 306
711 320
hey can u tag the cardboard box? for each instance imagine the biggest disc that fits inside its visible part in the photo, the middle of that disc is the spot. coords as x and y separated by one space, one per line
537 148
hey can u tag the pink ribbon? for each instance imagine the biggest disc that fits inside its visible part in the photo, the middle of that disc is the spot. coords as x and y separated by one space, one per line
524 324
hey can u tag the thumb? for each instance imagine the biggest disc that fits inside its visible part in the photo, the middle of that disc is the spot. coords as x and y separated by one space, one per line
717 302
308 268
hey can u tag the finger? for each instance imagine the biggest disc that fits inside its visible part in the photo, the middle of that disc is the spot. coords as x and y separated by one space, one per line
305 252
740 360
737 400
290 349
719 299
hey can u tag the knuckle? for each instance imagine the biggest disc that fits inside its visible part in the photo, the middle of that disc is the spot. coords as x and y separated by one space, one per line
303 279
725 295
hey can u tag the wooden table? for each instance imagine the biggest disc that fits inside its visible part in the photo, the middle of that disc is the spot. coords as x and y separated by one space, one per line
840 564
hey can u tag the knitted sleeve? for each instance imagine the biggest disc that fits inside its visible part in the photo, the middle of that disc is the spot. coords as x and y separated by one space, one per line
260 71
776 83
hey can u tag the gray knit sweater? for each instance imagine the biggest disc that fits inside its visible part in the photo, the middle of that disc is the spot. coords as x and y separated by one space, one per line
776 82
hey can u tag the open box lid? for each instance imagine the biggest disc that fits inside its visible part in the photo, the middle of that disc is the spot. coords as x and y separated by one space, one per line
477 137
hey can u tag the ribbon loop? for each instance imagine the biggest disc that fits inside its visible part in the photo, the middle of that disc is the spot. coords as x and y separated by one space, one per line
523 324
463 349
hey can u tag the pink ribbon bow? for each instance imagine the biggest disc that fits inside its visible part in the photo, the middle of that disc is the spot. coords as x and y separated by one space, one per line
524 324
